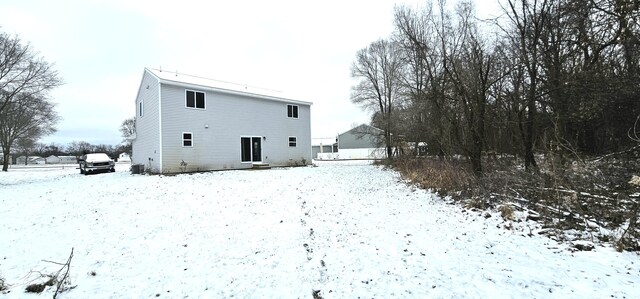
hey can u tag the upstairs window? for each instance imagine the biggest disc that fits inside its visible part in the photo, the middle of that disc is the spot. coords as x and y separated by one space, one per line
293 141
195 99
292 111
140 108
187 139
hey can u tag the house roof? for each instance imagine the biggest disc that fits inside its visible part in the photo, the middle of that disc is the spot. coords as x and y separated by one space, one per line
31 158
190 81
364 128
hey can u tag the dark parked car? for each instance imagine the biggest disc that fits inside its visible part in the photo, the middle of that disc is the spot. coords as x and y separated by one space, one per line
96 162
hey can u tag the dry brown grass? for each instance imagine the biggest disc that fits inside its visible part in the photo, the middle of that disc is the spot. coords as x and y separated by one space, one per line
506 211
566 196
443 176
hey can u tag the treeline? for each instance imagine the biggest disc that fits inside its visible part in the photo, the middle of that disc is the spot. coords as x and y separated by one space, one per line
547 75
75 148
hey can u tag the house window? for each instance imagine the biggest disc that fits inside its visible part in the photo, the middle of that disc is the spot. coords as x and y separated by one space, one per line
187 139
293 141
195 99
292 111
140 107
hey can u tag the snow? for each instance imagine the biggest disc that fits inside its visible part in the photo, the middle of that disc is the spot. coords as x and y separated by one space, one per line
347 229
97 157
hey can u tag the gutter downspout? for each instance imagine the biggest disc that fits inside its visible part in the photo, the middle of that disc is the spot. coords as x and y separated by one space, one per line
161 146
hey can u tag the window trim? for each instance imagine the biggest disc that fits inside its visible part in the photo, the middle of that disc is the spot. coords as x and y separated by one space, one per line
195 102
184 139
295 141
297 111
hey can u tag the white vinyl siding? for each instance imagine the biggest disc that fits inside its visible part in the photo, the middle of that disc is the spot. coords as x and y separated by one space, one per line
218 146
146 145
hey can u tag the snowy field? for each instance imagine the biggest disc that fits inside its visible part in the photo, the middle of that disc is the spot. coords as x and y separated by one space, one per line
347 230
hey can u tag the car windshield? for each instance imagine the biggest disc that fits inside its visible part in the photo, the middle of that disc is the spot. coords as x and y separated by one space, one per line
97 157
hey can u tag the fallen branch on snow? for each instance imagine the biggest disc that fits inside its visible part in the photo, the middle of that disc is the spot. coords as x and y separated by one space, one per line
59 278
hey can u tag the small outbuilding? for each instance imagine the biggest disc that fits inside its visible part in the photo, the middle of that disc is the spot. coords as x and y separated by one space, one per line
124 157
53 159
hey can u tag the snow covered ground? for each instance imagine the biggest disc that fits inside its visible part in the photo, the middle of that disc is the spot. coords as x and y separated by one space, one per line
346 230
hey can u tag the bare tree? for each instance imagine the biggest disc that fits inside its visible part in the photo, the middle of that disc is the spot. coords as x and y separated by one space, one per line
79 148
26 117
52 149
563 74
528 20
23 72
471 69
379 67
451 70
128 128
104 148
26 146
424 77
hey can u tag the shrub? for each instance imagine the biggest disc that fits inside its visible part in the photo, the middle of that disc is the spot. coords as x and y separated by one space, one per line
39 287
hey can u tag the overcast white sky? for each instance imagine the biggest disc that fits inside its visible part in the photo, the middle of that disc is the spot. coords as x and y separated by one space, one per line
100 48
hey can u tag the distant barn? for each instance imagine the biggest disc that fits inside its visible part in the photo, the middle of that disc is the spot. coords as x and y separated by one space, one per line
361 142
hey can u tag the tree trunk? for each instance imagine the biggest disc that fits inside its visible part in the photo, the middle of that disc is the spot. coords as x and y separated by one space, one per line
477 142
476 160
529 158
387 137
5 161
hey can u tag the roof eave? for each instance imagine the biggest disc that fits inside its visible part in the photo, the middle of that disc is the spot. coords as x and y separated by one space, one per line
229 91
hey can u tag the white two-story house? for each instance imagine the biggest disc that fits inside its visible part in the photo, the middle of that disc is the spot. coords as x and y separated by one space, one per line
186 123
